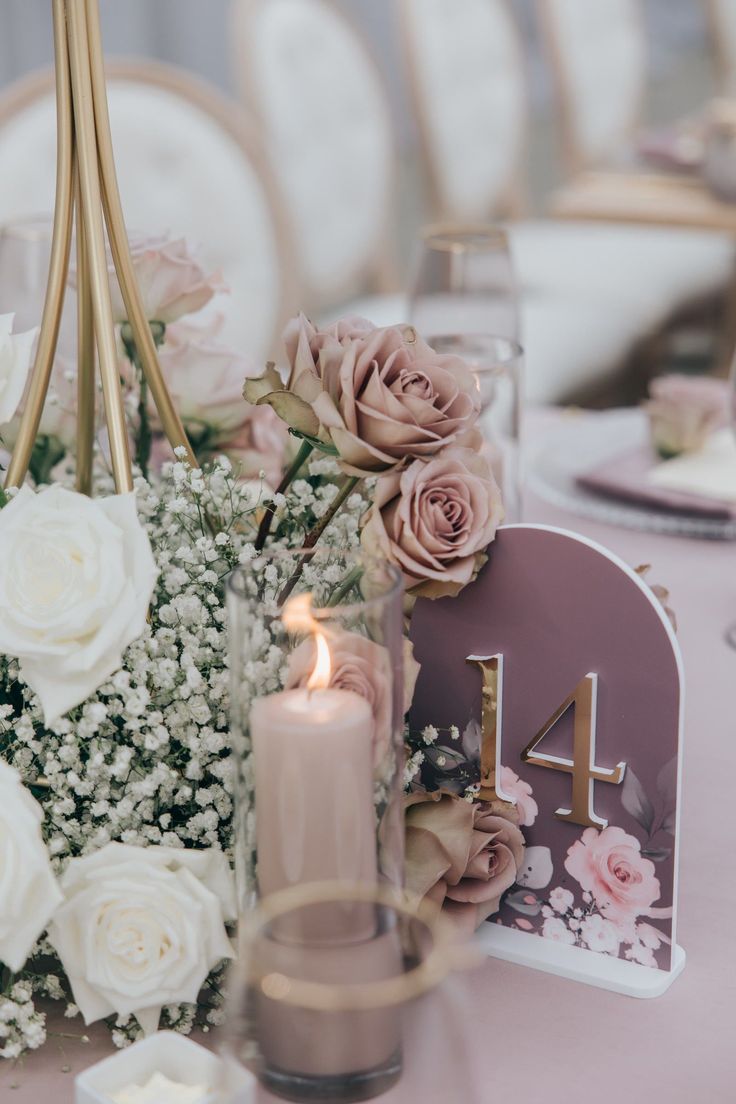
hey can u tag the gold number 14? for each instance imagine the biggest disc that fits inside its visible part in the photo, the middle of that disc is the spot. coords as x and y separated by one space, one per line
582 767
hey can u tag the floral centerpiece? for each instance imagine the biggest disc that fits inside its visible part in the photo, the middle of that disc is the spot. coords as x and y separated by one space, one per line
116 822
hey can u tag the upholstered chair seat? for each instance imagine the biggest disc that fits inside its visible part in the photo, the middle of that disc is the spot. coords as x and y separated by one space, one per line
185 167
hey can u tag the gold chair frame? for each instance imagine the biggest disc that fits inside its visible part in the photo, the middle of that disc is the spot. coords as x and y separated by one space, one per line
377 271
226 116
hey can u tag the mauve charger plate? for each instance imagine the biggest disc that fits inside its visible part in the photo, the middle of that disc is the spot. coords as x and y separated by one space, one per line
570 469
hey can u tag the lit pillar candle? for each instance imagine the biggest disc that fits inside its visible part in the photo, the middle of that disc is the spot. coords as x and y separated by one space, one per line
315 822
313 758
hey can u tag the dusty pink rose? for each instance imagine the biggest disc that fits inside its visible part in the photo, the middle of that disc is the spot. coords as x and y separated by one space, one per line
388 397
379 396
205 379
360 665
171 280
684 411
304 344
526 808
610 866
460 856
204 376
259 444
435 520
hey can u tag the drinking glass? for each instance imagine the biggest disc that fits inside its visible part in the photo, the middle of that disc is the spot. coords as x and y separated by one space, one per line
497 363
318 1020
464 282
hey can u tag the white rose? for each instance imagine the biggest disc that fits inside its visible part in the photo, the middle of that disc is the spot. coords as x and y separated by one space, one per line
138 930
76 579
15 363
29 894
210 867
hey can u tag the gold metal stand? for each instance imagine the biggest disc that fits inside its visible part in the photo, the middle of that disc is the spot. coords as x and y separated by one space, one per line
86 182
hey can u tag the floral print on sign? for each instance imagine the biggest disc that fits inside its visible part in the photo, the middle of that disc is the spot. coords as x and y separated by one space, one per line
614 890
603 892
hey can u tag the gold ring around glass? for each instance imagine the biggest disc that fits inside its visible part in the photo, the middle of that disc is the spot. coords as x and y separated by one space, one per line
447 953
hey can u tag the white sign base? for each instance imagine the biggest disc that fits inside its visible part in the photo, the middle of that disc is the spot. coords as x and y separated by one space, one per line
601 970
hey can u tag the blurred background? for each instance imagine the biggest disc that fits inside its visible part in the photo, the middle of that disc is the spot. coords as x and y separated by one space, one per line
194 34
328 133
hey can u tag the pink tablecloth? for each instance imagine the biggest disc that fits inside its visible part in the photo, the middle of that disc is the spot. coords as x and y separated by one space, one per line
536 1038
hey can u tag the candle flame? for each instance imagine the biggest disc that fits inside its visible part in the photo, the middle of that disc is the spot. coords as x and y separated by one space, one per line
320 676
297 615
298 618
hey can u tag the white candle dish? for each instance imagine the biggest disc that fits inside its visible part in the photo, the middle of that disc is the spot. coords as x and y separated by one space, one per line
178 1058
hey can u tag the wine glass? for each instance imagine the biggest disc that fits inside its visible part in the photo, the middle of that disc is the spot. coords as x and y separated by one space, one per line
497 363
464 282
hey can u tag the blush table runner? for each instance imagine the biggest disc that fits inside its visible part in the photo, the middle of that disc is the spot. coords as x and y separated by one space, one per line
529 1037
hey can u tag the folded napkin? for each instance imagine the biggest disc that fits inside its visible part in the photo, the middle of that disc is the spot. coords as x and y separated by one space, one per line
709 473
701 484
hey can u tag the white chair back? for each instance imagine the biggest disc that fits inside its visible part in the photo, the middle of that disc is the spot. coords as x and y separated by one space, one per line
316 92
185 166
722 15
598 53
466 71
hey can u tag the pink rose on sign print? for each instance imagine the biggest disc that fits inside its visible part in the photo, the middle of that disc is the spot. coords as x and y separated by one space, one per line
609 865
521 792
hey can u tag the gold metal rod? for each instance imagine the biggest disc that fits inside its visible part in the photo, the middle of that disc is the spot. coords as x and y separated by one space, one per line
85 357
170 420
58 264
94 230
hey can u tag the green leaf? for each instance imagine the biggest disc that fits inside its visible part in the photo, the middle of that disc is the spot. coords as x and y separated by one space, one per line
48 451
294 411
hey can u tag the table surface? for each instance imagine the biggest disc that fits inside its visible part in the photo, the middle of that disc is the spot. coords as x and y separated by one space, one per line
531 1037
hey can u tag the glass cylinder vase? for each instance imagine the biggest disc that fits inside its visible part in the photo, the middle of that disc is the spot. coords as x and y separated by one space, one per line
318 700
317 693
330 1022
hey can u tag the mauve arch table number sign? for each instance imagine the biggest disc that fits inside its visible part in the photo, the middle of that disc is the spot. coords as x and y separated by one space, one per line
564 660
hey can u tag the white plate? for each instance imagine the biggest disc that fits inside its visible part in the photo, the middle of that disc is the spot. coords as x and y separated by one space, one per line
582 443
